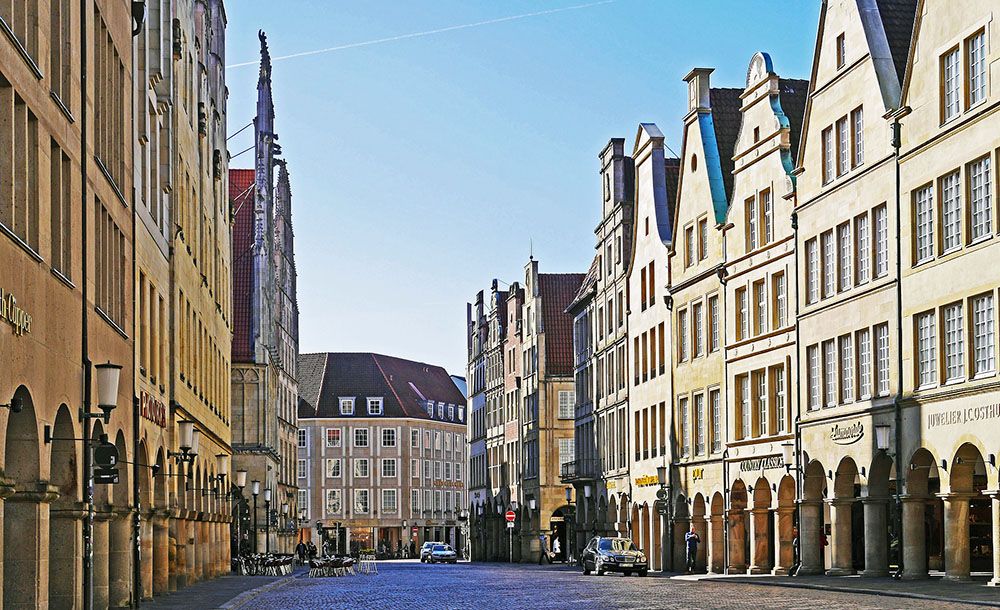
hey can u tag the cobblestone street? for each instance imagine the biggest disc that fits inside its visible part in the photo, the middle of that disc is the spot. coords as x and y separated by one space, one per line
406 585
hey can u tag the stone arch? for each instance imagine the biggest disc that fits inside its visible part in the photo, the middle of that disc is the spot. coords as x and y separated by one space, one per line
65 531
623 517
715 542
965 465
699 521
814 486
845 478
847 550
761 534
646 540
737 518
785 525
23 559
610 515
880 475
160 493
634 530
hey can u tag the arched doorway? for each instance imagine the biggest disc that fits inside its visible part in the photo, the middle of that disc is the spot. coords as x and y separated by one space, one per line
812 528
647 524
716 541
162 571
844 519
875 523
65 525
24 557
923 514
145 507
784 557
119 532
968 519
559 538
761 532
737 518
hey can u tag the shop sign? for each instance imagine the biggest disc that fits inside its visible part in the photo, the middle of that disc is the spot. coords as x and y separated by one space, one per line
697 474
847 435
152 409
647 481
19 319
611 484
762 463
968 415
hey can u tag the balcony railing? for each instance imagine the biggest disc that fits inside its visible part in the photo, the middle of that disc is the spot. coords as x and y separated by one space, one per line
579 470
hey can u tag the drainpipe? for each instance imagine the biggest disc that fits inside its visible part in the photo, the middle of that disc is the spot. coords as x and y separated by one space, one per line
800 471
897 402
725 400
138 15
88 477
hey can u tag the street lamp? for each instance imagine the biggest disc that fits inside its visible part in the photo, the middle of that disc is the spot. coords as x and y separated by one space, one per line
241 482
570 525
267 520
882 437
108 376
255 489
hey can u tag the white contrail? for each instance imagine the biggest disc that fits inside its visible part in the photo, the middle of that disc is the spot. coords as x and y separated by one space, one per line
450 28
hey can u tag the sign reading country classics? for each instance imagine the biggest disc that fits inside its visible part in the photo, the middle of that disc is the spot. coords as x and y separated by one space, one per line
762 463
19 319
152 409
847 435
963 416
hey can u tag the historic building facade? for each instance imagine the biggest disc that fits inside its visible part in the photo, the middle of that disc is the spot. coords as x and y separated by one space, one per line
265 331
382 453
759 314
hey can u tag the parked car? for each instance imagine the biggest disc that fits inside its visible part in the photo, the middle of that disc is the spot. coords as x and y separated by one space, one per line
425 550
613 555
443 553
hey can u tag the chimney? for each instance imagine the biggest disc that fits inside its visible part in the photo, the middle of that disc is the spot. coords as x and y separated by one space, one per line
698 85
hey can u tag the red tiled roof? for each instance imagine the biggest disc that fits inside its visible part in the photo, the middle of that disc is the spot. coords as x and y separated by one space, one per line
404 386
241 204
557 291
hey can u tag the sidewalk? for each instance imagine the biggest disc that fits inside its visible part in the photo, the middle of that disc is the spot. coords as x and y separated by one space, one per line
231 591
975 591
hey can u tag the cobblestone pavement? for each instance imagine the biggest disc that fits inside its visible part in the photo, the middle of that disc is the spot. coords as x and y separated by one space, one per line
408 585
208 593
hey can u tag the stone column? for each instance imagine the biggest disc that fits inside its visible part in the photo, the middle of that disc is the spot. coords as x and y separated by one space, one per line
760 543
120 559
146 555
737 532
161 554
995 513
810 528
914 539
701 528
26 528
175 558
784 555
956 535
101 555
200 549
876 527
840 526
66 556
190 570
716 543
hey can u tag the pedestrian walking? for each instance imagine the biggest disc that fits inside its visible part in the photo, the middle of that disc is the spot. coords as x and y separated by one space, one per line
543 556
300 550
311 550
691 540
796 560
556 547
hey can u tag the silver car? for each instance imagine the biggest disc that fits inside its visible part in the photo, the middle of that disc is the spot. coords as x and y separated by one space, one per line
443 553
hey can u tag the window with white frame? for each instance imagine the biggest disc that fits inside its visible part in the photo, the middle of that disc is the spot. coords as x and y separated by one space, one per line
862 250
567 399
760 391
778 384
389 501
567 448
361 437
682 331
347 406
846 369
303 498
812 271
951 85
303 469
333 437
334 504
361 468
858 135
428 500
458 471
333 468
864 343
923 213
699 424
954 342
362 502
703 239
415 468
760 307
827 143
780 300
302 436
447 471
699 329
743 396
414 502
976 46
451 412
829 264
979 198
427 469
843 138
951 213
388 437
389 467
926 352
830 372
414 438
715 400
461 413
743 309
846 255
753 231
374 406
682 406
437 470
713 323
440 410
813 376
882 368
881 241
767 217
982 335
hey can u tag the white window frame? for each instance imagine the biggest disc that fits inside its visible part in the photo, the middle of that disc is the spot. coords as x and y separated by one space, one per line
333 464
951 85
976 63
983 335
846 368
375 406
358 494
389 468
863 340
954 342
951 212
390 501
881 234
980 200
357 472
926 349
302 437
882 359
359 434
302 469
347 406
923 224
389 434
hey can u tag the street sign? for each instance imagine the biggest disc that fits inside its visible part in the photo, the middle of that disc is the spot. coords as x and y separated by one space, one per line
105 476
661 494
511 516
510 525
661 507
105 455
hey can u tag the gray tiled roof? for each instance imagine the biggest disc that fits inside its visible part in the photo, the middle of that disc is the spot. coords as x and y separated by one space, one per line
898 17
726 118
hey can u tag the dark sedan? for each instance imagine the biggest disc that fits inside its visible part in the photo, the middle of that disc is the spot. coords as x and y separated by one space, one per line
614 555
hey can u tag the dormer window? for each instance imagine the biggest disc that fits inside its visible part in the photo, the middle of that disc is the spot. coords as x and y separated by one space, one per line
374 406
451 412
347 406
440 410
461 413
841 51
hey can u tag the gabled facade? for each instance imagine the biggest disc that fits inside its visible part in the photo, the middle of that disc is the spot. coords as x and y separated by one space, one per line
848 306
646 430
760 357
949 248
697 305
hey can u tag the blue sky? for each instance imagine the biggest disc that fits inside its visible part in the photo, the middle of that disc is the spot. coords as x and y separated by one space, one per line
423 167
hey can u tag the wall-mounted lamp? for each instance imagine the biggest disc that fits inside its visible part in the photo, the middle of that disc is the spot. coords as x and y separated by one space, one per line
531 504
882 437
16 405
788 454
586 491
241 479
944 464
